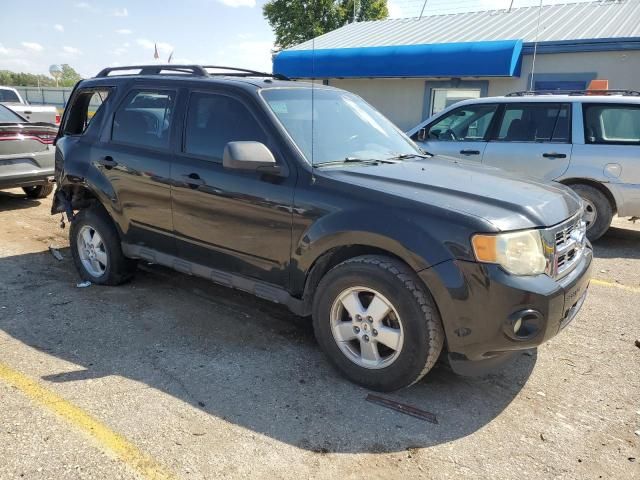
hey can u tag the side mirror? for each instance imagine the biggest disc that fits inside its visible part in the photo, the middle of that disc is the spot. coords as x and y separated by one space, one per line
251 156
422 135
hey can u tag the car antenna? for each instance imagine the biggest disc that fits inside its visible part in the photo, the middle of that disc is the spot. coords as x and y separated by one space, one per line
313 85
535 48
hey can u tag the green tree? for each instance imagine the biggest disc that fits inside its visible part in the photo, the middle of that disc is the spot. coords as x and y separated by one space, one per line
295 21
69 76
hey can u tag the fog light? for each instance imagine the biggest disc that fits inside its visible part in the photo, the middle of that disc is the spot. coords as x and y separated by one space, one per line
517 325
524 324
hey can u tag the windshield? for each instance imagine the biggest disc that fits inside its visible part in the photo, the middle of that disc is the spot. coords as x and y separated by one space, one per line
344 126
9 96
7 116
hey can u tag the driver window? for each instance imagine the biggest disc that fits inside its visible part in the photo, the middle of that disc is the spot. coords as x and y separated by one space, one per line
464 124
144 119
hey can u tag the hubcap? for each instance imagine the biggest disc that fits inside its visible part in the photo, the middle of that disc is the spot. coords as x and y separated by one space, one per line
92 251
590 213
366 327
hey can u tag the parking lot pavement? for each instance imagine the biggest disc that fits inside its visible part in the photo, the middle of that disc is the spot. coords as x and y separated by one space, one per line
204 382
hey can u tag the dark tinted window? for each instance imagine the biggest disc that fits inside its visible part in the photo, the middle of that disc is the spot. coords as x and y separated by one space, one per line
8 96
7 116
611 123
215 120
469 123
144 119
535 123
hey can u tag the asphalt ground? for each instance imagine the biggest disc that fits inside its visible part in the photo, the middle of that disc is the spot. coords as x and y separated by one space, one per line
171 376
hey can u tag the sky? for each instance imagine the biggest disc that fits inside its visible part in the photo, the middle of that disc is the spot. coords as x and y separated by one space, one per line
92 34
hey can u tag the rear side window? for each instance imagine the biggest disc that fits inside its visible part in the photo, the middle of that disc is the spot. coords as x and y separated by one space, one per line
8 96
611 124
144 119
535 123
214 120
7 116
87 104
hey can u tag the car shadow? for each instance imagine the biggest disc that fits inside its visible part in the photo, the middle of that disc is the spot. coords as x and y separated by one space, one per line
16 201
618 243
247 361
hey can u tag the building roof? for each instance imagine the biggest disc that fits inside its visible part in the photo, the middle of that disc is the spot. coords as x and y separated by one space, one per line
601 20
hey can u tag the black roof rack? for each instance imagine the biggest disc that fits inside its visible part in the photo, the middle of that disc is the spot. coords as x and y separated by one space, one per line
533 93
193 70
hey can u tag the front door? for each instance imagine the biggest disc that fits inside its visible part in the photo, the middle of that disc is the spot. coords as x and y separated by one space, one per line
135 157
532 139
460 133
230 220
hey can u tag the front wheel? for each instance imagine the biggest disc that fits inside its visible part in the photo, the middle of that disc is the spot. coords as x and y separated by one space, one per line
95 247
377 323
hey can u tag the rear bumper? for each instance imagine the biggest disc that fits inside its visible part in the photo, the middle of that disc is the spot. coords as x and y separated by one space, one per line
480 303
26 170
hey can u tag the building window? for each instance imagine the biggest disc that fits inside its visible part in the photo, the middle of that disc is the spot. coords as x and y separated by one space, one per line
560 85
442 98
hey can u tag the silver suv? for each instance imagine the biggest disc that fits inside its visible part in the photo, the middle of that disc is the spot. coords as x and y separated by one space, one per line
589 142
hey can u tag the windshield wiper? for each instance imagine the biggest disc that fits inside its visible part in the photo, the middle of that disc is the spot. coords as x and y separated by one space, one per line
405 156
362 161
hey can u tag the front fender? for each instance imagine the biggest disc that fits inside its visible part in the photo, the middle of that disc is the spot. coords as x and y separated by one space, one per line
398 233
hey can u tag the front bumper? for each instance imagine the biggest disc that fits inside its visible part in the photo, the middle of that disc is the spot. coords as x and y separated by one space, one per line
479 303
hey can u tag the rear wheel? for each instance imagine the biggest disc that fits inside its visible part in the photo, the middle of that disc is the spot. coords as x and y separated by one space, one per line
377 323
598 211
38 191
95 247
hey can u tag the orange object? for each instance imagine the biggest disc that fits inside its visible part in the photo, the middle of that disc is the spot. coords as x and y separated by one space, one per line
596 86
484 247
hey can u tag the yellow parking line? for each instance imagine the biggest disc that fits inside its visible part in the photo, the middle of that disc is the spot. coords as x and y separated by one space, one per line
604 283
109 440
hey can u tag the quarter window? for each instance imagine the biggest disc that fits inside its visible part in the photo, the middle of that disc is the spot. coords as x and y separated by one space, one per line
469 123
86 106
144 119
611 124
215 120
535 123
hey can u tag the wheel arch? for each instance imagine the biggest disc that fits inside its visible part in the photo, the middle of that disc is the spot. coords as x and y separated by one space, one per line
601 187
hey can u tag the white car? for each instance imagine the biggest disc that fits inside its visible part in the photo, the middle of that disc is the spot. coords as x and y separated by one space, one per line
590 142
11 98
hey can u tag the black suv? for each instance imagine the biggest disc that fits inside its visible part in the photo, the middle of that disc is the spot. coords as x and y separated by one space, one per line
307 196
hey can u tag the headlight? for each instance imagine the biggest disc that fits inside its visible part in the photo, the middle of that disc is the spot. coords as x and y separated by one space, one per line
519 253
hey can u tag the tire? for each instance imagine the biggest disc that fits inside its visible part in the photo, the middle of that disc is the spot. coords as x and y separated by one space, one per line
38 191
597 207
412 315
113 268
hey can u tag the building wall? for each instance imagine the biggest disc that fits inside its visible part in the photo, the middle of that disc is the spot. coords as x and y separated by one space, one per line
403 100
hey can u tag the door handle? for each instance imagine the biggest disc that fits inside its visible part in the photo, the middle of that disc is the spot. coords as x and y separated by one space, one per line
554 155
108 162
470 152
193 180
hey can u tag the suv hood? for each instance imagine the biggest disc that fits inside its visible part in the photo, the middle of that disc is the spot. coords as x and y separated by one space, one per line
506 201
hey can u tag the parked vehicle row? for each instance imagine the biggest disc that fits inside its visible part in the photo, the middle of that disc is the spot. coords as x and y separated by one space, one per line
11 98
307 196
588 142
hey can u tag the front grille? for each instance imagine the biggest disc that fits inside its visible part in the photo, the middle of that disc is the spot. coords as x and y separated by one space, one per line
564 245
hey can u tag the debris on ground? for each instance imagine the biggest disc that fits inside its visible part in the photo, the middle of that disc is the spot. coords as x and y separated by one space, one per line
84 284
638 343
402 408
56 253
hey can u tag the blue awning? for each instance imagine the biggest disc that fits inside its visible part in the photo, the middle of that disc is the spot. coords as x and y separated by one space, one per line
467 59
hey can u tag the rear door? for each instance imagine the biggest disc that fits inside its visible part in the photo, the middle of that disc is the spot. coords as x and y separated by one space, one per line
231 220
461 133
134 156
532 139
